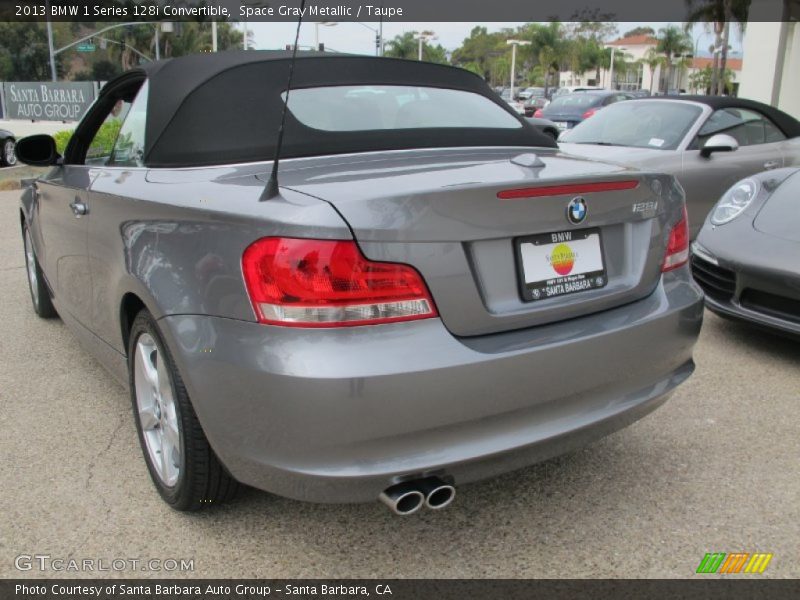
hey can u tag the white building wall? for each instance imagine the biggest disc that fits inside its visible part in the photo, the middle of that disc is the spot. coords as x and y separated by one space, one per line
789 96
771 68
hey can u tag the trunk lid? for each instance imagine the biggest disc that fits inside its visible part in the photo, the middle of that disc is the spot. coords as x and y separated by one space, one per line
439 211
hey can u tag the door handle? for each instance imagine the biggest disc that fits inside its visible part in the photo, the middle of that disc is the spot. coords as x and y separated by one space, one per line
78 208
772 164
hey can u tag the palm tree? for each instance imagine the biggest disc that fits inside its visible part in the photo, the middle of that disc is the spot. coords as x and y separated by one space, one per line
672 42
653 60
719 14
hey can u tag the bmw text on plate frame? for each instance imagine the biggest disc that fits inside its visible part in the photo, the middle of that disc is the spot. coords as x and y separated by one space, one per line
357 329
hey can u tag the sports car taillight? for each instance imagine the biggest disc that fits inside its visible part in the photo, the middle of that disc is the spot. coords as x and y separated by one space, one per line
678 245
589 113
329 283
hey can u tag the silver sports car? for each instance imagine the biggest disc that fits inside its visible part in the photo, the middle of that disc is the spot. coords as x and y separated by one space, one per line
422 292
746 257
707 142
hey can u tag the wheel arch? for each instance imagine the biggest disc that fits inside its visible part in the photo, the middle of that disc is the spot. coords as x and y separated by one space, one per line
130 306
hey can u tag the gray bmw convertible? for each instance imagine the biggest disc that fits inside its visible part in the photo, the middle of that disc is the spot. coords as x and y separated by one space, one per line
375 282
746 256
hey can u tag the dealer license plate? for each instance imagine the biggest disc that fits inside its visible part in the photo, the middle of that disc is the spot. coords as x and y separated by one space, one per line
565 262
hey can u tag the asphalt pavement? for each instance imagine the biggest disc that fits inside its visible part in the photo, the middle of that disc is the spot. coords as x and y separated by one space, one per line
714 470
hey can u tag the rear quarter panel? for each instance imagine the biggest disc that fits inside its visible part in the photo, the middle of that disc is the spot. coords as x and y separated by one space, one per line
175 239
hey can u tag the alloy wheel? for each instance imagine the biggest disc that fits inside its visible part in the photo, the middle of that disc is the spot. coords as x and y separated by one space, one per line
9 153
30 265
156 410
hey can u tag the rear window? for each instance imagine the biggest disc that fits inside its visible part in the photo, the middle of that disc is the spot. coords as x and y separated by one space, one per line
575 100
376 107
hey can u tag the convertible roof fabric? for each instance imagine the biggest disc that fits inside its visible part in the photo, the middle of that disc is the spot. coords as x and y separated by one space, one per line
226 107
786 123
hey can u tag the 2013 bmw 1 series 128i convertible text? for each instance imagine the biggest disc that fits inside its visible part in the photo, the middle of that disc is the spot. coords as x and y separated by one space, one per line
428 294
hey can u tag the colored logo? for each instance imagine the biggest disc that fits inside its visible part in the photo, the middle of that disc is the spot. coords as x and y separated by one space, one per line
737 562
562 259
576 210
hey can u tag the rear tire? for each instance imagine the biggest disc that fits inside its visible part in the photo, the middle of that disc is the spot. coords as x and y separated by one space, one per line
40 294
182 464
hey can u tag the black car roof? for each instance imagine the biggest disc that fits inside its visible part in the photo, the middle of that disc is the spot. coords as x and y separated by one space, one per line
226 107
786 123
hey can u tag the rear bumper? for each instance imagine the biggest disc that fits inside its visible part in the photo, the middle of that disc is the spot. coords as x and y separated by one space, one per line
338 415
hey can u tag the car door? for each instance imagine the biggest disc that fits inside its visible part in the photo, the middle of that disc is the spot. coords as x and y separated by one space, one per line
65 209
62 217
705 179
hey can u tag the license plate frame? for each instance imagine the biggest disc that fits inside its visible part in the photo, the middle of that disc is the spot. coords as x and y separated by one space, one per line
559 285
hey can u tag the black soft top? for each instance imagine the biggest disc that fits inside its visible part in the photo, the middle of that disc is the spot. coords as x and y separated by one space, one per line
226 107
786 123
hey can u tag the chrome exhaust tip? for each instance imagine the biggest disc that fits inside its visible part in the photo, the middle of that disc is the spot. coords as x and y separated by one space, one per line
403 498
438 493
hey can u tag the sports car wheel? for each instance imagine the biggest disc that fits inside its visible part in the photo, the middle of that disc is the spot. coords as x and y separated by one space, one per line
40 295
182 464
9 156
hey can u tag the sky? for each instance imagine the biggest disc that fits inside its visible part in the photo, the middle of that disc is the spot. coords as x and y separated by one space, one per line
359 39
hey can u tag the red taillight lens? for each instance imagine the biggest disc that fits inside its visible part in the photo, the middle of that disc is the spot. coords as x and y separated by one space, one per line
329 283
538 113
589 113
678 245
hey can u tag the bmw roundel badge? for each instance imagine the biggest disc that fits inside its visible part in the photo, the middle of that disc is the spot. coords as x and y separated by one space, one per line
576 210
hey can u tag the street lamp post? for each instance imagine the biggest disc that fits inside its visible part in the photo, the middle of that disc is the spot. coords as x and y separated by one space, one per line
425 36
611 71
316 31
514 44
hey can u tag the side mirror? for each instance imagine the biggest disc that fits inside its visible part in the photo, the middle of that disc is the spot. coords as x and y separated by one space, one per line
38 150
719 143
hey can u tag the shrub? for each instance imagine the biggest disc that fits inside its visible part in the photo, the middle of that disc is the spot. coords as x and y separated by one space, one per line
62 139
102 143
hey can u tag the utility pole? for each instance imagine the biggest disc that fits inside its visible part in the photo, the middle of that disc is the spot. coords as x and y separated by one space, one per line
423 37
514 44
53 74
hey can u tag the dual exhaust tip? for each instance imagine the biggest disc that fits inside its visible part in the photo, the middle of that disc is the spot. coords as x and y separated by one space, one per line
408 497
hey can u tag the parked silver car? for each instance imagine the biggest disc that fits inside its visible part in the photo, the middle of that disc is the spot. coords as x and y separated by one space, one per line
432 294
707 142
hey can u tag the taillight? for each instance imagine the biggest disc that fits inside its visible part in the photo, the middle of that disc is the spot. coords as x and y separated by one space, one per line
589 113
538 113
329 283
678 245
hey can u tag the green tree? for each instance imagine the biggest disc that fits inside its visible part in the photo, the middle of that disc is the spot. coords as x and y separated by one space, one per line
672 42
639 31
652 60
406 45
24 54
703 79
719 14
481 49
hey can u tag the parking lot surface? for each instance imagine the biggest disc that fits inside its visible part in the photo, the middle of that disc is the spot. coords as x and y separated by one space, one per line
714 470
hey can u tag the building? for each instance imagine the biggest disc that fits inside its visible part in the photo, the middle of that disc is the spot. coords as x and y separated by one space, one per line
771 69
640 75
